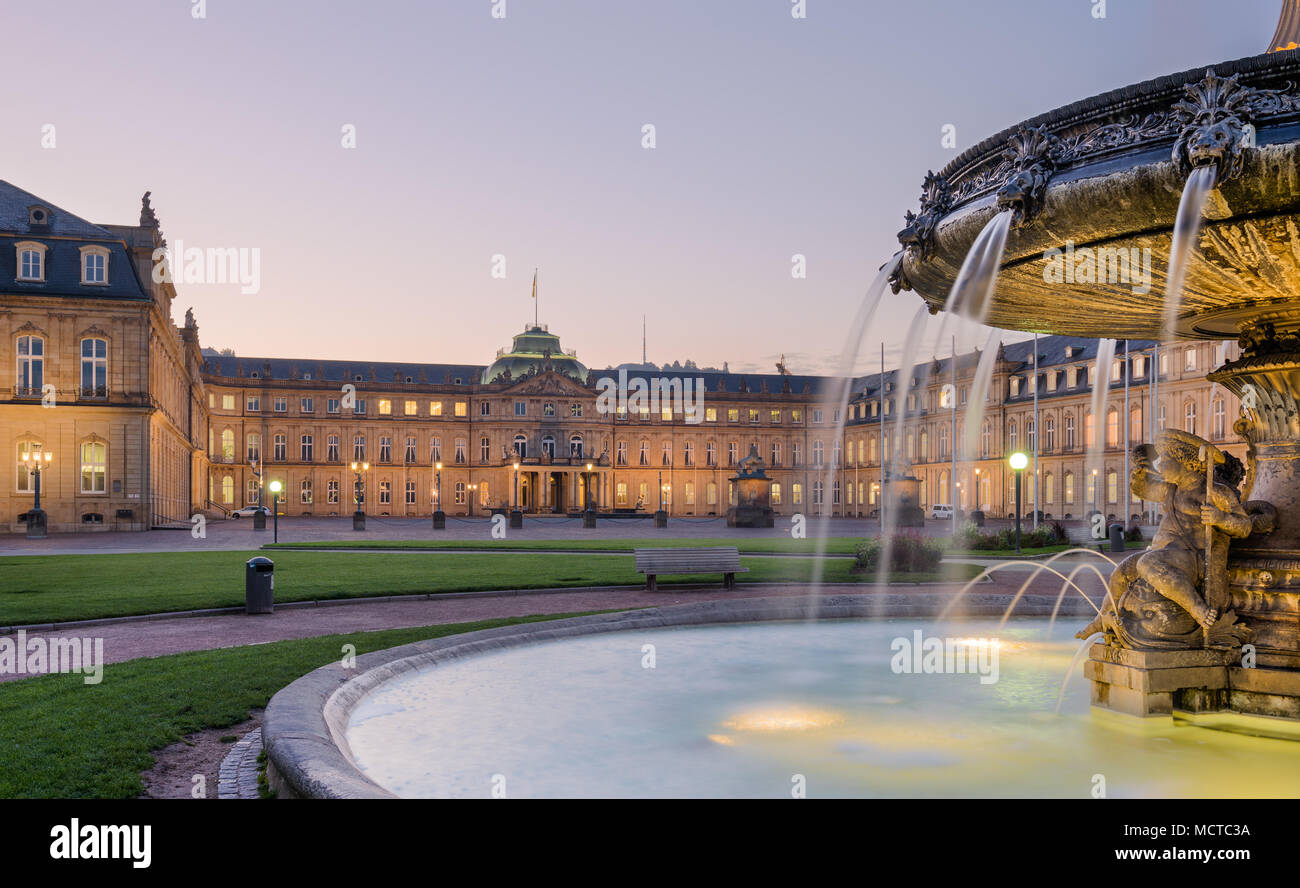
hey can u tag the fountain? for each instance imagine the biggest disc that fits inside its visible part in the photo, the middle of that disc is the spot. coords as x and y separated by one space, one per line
1199 167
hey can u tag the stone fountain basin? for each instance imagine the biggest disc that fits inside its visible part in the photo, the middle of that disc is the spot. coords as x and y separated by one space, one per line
1246 267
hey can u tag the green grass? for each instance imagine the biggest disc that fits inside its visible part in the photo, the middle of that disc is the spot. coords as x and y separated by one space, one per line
770 546
55 588
1040 550
62 738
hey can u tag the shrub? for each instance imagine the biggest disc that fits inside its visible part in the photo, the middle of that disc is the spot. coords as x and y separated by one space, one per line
908 552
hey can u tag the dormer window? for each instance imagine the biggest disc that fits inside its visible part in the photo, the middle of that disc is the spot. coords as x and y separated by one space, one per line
38 216
94 265
31 261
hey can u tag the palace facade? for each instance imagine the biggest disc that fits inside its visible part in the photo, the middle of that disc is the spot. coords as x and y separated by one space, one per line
147 430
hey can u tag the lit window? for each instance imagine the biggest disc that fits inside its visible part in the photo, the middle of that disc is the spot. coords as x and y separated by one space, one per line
94 371
462 408
93 466
385 407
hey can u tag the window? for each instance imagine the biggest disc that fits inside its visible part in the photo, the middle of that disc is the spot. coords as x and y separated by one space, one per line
666 414
644 459
410 493
620 493
332 492
31 261
732 449
1161 419
385 449
689 491
520 446
385 493
306 405
986 438
435 408
31 365
228 490
460 493
94 370
307 447
1112 486
796 453
359 407
521 408
385 407
410 450
1049 488
1218 419
281 404
410 408
485 449
25 475
1189 358
711 494
359 448
332 405
304 492
1089 431
688 455
280 443
435 450
753 415
1189 417
228 446
484 496
776 493
1112 427
94 465
1049 434
332 448
94 265
575 446
711 454
796 416
818 453
1069 488
1012 440
710 414
817 493
254 447
462 408
254 404
667 459
733 414
775 417
251 491
620 456
1069 431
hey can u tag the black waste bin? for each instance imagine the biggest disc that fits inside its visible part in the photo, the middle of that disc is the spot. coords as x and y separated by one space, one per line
1117 537
259 586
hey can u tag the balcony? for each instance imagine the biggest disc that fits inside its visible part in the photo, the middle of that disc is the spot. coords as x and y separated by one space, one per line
93 393
27 392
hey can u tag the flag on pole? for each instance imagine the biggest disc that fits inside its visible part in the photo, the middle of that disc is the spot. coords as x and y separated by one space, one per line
534 283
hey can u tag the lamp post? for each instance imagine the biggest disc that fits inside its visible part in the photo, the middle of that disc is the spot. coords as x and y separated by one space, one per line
36 523
661 516
1018 462
516 514
439 516
589 516
275 511
471 488
259 519
359 516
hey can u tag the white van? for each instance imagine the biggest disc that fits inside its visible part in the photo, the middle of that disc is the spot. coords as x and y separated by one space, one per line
939 510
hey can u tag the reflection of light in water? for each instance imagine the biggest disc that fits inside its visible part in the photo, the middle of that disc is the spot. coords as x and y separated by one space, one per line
787 719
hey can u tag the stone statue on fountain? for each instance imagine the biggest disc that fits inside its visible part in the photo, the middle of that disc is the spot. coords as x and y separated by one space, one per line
1173 595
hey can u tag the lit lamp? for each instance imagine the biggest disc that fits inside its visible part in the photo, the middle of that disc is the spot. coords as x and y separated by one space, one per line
471 488
276 487
359 516
516 515
33 460
439 516
1018 461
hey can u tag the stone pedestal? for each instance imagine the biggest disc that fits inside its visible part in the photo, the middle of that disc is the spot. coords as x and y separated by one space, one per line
36 524
1158 683
358 520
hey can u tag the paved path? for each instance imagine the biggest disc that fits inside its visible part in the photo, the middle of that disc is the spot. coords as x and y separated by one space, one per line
132 639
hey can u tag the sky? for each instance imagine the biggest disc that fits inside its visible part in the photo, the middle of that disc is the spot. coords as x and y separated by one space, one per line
521 138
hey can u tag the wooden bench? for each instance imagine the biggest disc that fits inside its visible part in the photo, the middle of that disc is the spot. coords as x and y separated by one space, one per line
721 559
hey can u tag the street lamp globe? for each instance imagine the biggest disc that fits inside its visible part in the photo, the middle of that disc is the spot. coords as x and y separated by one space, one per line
1018 461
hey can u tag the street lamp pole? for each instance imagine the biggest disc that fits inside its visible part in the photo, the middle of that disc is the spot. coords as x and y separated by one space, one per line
1018 462
275 511
359 516
517 515
36 523
439 516
589 515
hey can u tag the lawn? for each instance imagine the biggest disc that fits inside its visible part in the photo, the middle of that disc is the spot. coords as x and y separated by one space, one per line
770 546
55 588
62 738
1041 550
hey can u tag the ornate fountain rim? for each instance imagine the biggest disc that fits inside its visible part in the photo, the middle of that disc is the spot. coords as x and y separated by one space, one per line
1141 115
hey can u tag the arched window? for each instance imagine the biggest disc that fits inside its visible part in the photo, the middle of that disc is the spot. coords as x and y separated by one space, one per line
1049 488
1112 486
1112 427
520 446
575 446
924 452
228 446
1069 488
548 445
944 494
228 490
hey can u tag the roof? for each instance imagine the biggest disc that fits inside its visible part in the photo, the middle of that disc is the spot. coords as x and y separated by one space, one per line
232 366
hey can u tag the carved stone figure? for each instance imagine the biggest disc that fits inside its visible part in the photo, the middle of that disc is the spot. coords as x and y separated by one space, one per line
1172 595
1214 113
1032 155
148 219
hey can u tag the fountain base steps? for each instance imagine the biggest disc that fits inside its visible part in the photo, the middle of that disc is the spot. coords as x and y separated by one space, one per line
1211 680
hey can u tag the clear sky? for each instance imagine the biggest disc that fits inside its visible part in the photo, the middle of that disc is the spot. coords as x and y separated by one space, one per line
522 136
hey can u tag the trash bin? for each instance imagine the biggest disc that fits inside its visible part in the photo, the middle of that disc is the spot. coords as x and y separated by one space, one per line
259 586
1117 537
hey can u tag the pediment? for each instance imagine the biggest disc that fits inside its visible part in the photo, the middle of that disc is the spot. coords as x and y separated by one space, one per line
548 383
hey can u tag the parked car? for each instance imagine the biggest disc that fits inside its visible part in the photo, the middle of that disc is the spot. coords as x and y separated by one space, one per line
250 511
941 511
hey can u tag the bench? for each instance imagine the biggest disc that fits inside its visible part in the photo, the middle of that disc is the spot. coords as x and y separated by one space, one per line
721 559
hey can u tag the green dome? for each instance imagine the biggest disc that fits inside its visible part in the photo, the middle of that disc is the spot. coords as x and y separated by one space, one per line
532 351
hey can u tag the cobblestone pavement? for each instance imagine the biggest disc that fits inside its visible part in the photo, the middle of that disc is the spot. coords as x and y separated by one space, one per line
238 776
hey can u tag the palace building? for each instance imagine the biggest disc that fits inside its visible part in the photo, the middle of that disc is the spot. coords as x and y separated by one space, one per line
145 430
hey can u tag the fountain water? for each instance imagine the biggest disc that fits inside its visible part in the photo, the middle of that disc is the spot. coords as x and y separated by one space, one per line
1094 461
1187 229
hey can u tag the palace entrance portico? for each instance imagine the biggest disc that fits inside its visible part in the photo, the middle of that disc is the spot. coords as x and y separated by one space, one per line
559 486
